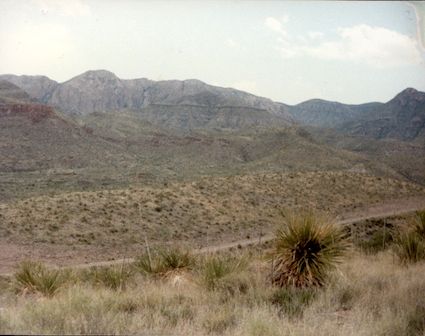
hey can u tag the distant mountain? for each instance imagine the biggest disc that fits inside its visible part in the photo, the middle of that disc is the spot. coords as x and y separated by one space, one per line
10 93
182 104
403 117
322 113
38 87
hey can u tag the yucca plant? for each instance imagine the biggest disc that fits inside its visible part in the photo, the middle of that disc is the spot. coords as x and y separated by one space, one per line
149 264
419 223
410 243
34 277
409 247
307 246
161 261
176 258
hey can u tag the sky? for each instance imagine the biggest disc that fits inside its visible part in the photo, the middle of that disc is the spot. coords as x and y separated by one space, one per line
352 52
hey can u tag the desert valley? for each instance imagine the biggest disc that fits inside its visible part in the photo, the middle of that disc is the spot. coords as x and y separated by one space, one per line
224 168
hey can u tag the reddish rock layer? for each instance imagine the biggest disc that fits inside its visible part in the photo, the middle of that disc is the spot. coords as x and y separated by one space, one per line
35 112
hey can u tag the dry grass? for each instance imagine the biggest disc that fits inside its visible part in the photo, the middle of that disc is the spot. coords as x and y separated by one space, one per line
367 295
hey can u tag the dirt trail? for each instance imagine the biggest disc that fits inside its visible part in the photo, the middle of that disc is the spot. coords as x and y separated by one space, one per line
382 210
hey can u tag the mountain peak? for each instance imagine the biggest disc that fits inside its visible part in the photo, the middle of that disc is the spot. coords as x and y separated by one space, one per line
99 73
409 95
96 75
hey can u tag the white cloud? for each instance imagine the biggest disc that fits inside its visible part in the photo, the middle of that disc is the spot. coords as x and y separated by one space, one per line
63 7
276 25
375 46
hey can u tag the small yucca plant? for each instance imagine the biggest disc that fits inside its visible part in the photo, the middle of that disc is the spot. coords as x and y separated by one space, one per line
307 246
176 258
410 244
161 261
34 277
419 223
409 247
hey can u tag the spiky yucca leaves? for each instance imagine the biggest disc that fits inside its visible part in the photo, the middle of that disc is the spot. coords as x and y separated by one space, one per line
307 246
161 261
409 247
34 277
419 223
410 244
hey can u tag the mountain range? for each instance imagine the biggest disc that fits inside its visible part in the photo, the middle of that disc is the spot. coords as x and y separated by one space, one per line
98 130
192 104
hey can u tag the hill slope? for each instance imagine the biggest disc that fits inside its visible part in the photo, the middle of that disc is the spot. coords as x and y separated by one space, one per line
33 136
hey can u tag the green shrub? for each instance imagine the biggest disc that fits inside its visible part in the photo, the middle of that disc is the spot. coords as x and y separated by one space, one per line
34 277
306 248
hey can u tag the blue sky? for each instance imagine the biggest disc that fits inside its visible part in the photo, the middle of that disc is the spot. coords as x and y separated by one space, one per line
351 52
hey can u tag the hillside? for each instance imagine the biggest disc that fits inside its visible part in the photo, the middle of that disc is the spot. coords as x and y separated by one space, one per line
117 222
34 137
405 157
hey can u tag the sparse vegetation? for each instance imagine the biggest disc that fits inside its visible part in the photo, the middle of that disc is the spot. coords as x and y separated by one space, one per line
307 246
